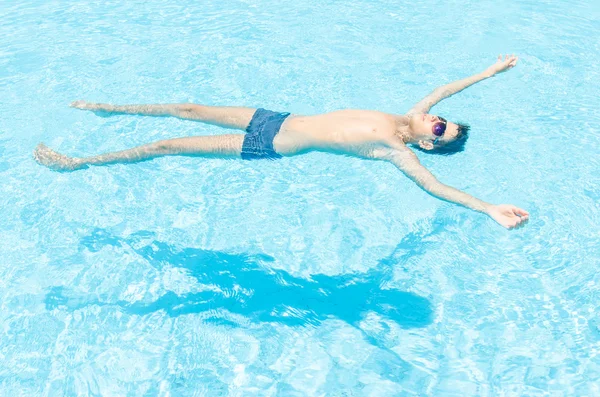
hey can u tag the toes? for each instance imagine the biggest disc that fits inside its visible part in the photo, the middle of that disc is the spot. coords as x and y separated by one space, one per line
83 105
54 160
78 104
40 153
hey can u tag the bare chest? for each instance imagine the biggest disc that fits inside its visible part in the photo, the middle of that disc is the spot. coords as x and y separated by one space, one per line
355 132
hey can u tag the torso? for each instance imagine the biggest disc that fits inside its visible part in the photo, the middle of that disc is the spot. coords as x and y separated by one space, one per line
354 132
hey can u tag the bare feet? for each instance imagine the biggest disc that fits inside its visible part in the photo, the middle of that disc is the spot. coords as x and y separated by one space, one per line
100 109
85 105
56 161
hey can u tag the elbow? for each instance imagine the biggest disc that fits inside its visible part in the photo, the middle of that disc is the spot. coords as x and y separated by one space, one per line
443 91
434 188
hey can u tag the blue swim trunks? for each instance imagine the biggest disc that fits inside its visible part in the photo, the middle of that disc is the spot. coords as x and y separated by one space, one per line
258 142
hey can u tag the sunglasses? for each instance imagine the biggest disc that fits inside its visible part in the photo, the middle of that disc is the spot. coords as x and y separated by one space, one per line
439 129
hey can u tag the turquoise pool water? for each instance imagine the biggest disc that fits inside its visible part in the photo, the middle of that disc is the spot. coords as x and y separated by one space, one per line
316 275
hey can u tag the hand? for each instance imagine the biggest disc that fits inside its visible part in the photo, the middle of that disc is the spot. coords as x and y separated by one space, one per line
502 65
508 215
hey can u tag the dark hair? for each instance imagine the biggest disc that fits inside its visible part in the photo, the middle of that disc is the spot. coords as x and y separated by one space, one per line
454 146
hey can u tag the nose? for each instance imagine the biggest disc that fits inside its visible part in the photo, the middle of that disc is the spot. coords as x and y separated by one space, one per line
433 118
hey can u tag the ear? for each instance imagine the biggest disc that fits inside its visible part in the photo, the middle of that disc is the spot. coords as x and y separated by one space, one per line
427 145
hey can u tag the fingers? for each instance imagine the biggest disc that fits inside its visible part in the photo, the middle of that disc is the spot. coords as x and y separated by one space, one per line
520 211
521 222
508 59
513 217
519 219
510 216
515 223
509 222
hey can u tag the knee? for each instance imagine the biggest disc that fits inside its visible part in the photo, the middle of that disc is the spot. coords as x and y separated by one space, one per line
185 107
159 147
188 108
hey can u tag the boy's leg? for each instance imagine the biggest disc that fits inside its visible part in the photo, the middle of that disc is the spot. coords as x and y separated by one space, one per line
222 146
224 116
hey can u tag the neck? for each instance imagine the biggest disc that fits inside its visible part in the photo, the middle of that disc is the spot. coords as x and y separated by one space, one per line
403 130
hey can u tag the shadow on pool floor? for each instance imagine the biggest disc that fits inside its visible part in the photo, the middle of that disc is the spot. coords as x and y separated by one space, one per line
246 285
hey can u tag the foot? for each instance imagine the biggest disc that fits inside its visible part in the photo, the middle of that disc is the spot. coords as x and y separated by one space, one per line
100 109
56 161
85 105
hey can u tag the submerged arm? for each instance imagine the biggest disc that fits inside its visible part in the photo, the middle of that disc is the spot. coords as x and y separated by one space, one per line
447 90
409 164
508 216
